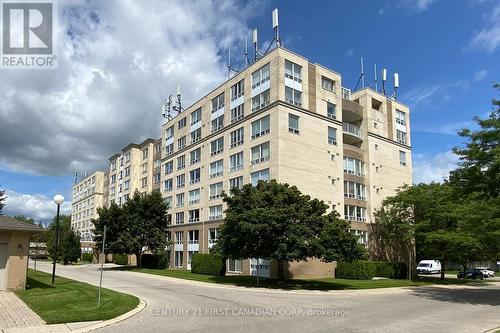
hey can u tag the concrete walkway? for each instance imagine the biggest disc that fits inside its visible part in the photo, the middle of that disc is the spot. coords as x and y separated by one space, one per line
14 313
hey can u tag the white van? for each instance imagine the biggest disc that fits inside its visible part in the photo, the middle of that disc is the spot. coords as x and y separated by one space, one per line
428 267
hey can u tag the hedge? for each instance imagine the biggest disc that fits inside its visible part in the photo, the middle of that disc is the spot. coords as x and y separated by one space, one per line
120 259
87 257
204 263
154 261
357 270
391 270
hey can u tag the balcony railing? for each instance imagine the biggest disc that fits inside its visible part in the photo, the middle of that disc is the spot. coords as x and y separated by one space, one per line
352 129
346 93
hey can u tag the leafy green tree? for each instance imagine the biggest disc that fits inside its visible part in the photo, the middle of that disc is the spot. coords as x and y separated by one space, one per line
2 200
479 167
276 221
69 249
140 224
25 219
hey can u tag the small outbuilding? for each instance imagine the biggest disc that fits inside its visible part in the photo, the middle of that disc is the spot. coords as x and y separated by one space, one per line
14 248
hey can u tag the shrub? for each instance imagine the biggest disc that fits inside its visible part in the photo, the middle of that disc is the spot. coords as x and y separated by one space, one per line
391 270
120 259
357 270
204 263
154 261
87 257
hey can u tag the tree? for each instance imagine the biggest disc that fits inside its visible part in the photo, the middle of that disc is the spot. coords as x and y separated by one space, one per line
69 249
140 224
25 219
479 167
276 221
2 200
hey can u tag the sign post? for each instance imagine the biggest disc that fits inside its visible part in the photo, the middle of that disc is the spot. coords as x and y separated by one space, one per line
102 267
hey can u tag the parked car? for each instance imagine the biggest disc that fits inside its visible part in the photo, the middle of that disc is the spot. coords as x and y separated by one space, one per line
471 274
487 272
428 267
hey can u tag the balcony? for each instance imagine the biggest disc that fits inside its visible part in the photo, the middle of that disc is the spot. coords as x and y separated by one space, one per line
351 133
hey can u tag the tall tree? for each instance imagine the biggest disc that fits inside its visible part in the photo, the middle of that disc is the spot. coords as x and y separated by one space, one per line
69 249
2 200
25 219
479 167
276 221
140 224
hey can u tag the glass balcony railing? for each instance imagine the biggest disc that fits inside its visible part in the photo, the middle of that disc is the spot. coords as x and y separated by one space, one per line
352 129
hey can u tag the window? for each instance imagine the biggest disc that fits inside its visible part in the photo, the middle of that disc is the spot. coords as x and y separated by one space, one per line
126 185
401 136
127 157
355 213
236 182
145 153
113 179
179 218
194 215
195 156
402 158
327 84
168 185
236 161
293 71
259 175
260 153
237 113
113 166
156 178
144 167
215 190
330 111
196 116
293 96
181 162
179 258
169 133
216 168
260 127
215 212
218 103
400 117
362 234
217 146
179 199
260 76
157 148
261 100
182 123
168 201
237 90
144 182
196 135
181 143
234 265
194 196
169 149
354 166
194 176
179 238
181 181
218 124
236 137
213 235
193 236
127 171
354 190
156 163
169 167
332 135
293 123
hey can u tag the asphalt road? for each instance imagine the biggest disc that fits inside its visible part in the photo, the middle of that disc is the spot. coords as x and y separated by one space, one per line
175 305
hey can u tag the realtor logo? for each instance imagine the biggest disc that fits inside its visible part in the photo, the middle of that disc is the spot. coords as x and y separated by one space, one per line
28 34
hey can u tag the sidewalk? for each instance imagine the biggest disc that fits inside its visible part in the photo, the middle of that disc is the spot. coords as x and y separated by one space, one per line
14 313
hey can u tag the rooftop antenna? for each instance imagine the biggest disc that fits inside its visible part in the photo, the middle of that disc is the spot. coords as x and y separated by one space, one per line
166 107
384 78
396 86
229 68
246 50
178 108
276 27
361 76
76 177
255 41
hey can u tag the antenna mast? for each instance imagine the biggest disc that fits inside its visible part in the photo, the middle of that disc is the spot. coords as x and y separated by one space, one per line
178 108
276 27
255 41
396 86
384 78
361 76
166 107
246 50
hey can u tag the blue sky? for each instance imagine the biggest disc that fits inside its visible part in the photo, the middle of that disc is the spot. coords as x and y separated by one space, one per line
446 53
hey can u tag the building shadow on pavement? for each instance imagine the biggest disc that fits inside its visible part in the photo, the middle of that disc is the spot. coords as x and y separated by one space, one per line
479 296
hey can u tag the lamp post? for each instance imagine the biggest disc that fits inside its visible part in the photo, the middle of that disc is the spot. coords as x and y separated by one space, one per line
58 200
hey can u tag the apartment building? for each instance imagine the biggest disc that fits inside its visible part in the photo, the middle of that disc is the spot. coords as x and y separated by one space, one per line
288 119
132 169
88 194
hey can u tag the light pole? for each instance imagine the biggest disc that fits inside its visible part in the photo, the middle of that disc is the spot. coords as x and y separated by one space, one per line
58 200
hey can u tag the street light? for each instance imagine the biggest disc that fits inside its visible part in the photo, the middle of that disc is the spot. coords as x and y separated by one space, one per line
58 200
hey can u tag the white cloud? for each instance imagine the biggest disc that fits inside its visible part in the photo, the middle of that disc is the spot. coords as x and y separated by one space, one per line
480 74
488 39
431 97
433 168
118 60
416 5
37 206
448 129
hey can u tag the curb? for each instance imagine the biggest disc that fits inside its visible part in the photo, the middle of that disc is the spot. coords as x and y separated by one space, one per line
493 330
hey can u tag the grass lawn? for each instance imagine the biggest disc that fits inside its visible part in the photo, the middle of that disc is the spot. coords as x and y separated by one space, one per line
298 284
70 300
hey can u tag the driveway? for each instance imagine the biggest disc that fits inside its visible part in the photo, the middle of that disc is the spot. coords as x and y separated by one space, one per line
14 313
187 306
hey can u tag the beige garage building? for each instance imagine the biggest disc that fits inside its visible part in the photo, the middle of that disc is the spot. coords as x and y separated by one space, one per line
14 246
